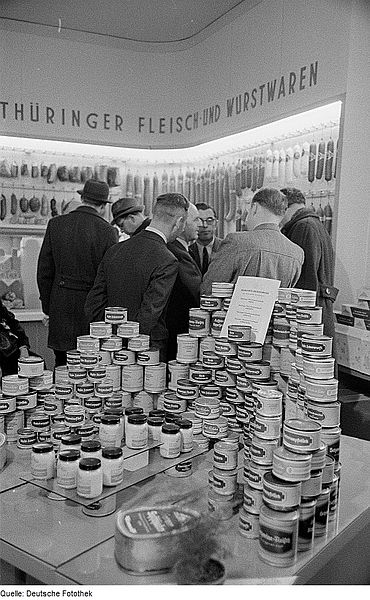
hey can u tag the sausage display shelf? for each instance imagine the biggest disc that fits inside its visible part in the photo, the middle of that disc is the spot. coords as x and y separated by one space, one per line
55 542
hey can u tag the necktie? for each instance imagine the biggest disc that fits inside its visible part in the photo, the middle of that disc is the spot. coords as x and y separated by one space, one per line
205 262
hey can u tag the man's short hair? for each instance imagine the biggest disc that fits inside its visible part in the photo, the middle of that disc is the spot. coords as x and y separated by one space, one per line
168 205
293 196
204 206
272 200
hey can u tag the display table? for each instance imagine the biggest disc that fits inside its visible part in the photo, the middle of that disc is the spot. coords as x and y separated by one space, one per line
55 542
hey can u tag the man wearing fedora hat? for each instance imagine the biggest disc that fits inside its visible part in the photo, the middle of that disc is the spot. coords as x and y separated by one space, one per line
73 246
128 216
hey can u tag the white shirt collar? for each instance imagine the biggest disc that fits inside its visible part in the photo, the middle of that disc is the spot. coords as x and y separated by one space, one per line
183 242
209 246
160 233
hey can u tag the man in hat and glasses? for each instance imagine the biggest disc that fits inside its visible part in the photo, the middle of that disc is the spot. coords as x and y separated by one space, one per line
129 217
72 249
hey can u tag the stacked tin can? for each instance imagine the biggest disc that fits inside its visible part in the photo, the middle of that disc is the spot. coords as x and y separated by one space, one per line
21 400
225 493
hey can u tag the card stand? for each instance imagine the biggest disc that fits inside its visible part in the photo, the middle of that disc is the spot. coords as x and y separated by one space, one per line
157 464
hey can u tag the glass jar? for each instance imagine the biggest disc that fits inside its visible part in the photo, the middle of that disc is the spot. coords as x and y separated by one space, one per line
170 441
89 478
70 442
43 461
136 432
154 428
112 465
91 449
132 410
110 430
118 412
67 467
186 432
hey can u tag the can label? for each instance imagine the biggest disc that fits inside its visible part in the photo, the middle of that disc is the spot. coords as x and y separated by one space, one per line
305 527
275 541
298 439
196 323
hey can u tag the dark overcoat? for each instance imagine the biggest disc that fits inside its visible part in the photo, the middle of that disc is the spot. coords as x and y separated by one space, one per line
73 246
306 230
185 295
137 274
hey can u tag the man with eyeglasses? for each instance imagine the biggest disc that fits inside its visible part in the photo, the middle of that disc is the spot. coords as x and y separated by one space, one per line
207 243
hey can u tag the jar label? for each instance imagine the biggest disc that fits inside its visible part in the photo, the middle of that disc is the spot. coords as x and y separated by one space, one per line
275 541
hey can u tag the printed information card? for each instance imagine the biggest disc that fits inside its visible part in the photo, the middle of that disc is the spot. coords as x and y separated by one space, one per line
252 304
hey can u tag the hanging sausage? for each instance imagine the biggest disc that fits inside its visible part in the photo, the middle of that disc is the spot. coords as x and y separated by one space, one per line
207 175
25 171
164 182
329 155
180 182
44 206
202 195
275 165
155 187
305 159
35 171
193 179
328 218
138 186
231 197
212 188
320 160
249 171
172 183
297 156
243 182
74 174
113 177
217 195
312 162
289 165
197 187
14 170
13 204
261 170
336 160
238 178
254 173
282 167
187 183
2 207
129 184
268 164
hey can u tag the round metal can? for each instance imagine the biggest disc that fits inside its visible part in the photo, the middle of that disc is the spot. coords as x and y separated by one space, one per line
139 343
206 344
74 415
268 428
326 413
290 466
279 494
132 378
234 365
316 346
235 396
155 378
176 371
114 375
12 385
221 505
224 378
8 404
73 358
253 474
26 437
215 428
115 315
306 525
128 329
239 333
100 329
124 357
269 402
311 329
202 441
196 421
278 537
281 331
225 347
321 391
257 370
223 482
93 404
211 303
199 374
207 408
86 343
78 375
199 322
222 289
26 401
96 374
213 360
148 357
301 436
311 315
311 488
217 321
331 437
304 298
187 389
32 366
111 344
173 403
39 421
225 455
322 513
284 295
243 383
64 391
187 348
105 357
318 457
53 405
104 389
279 310
252 500
261 450
248 524
210 390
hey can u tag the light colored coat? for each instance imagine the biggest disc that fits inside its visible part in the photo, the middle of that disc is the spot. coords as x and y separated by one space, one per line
263 252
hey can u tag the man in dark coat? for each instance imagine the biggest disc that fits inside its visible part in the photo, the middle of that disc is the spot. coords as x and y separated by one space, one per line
185 293
73 246
139 273
128 215
302 226
207 243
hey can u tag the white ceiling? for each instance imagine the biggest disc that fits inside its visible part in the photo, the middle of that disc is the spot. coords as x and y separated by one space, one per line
142 21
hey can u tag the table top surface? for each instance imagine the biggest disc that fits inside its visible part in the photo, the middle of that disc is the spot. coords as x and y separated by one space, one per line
81 547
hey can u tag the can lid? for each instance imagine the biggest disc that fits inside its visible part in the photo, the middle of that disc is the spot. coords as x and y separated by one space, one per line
110 419
69 440
133 410
42 448
137 419
69 455
89 464
157 413
112 452
156 421
91 446
170 428
184 423
113 410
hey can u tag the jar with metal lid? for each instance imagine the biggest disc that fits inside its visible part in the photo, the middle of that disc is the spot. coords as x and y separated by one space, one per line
117 412
131 410
155 427
89 478
186 431
43 461
112 465
70 442
91 449
110 431
136 431
67 467
278 537
248 524
170 441
306 525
